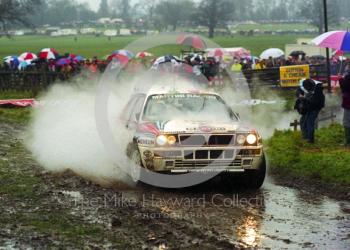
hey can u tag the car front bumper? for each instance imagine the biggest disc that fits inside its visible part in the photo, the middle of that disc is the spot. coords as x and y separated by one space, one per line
201 159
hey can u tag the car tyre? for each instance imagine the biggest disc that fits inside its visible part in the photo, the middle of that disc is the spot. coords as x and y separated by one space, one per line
254 178
135 169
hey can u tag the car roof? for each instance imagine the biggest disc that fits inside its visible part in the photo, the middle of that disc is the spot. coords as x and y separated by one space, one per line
161 90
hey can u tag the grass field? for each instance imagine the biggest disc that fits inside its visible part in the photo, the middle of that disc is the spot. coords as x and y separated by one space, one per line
89 46
275 26
326 160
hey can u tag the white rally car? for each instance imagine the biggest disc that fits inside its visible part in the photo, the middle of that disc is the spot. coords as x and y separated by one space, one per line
181 131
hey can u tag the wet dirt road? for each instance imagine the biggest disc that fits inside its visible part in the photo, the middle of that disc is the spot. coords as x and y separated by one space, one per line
275 217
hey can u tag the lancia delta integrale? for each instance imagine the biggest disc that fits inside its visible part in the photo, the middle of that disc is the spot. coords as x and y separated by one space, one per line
177 132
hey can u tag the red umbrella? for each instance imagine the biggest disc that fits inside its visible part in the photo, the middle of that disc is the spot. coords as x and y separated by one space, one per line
48 53
143 54
27 56
194 41
119 57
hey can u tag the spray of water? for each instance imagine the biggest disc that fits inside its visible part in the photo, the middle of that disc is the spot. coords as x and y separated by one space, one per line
63 133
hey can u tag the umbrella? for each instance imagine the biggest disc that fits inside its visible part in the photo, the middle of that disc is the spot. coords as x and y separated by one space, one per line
119 57
338 53
166 59
143 54
318 57
50 50
252 58
216 52
12 60
339 40
23 64
238 52
297 53
76 58
27 56
124 52
194 41
273 52
48 53
63 61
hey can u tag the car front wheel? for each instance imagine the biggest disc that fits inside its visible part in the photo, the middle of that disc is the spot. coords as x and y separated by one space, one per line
254 179
135 168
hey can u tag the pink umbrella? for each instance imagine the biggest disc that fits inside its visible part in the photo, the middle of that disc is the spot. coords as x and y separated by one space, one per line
339 40
27 56
218 52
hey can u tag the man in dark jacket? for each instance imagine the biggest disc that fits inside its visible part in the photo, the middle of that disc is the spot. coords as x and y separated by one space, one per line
345 88
310 101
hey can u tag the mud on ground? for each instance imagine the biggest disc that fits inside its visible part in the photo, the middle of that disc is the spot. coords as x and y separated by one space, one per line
46 210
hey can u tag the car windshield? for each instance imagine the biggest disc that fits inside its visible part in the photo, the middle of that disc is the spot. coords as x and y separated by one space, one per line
194 107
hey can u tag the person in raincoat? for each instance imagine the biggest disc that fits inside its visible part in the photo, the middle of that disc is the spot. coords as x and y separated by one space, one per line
236 66
345 89
310 101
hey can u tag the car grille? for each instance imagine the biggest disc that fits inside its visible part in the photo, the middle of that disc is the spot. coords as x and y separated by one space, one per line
192 140
208 154
203 140
212 163
219 140
249 152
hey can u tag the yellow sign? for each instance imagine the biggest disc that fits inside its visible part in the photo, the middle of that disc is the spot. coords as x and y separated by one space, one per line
290 76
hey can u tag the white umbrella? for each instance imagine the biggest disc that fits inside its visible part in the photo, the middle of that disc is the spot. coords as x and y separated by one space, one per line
273 52
166 59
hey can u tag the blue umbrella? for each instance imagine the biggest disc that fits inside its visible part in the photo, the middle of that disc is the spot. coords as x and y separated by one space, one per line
12 60
63 61
79 58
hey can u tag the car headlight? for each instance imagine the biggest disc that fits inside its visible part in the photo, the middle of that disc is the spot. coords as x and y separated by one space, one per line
251 139
171 140
161 140
241 139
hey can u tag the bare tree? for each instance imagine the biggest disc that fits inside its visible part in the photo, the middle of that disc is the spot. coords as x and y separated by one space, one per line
313 10
212 13
16 12
173 12
103 10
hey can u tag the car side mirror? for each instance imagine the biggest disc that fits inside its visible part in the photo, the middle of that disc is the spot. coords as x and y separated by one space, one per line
137 116
237 114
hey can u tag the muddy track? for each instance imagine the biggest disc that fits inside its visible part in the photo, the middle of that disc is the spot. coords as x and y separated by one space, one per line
45 210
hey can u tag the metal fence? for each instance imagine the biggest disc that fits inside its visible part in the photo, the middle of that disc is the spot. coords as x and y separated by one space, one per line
36 80
26 80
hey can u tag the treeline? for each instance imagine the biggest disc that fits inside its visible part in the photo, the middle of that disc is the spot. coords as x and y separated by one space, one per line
171 14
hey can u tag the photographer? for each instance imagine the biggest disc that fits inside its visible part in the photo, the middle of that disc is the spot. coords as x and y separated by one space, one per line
310 101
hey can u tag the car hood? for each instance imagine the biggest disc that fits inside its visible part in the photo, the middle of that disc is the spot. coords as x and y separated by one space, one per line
186 126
